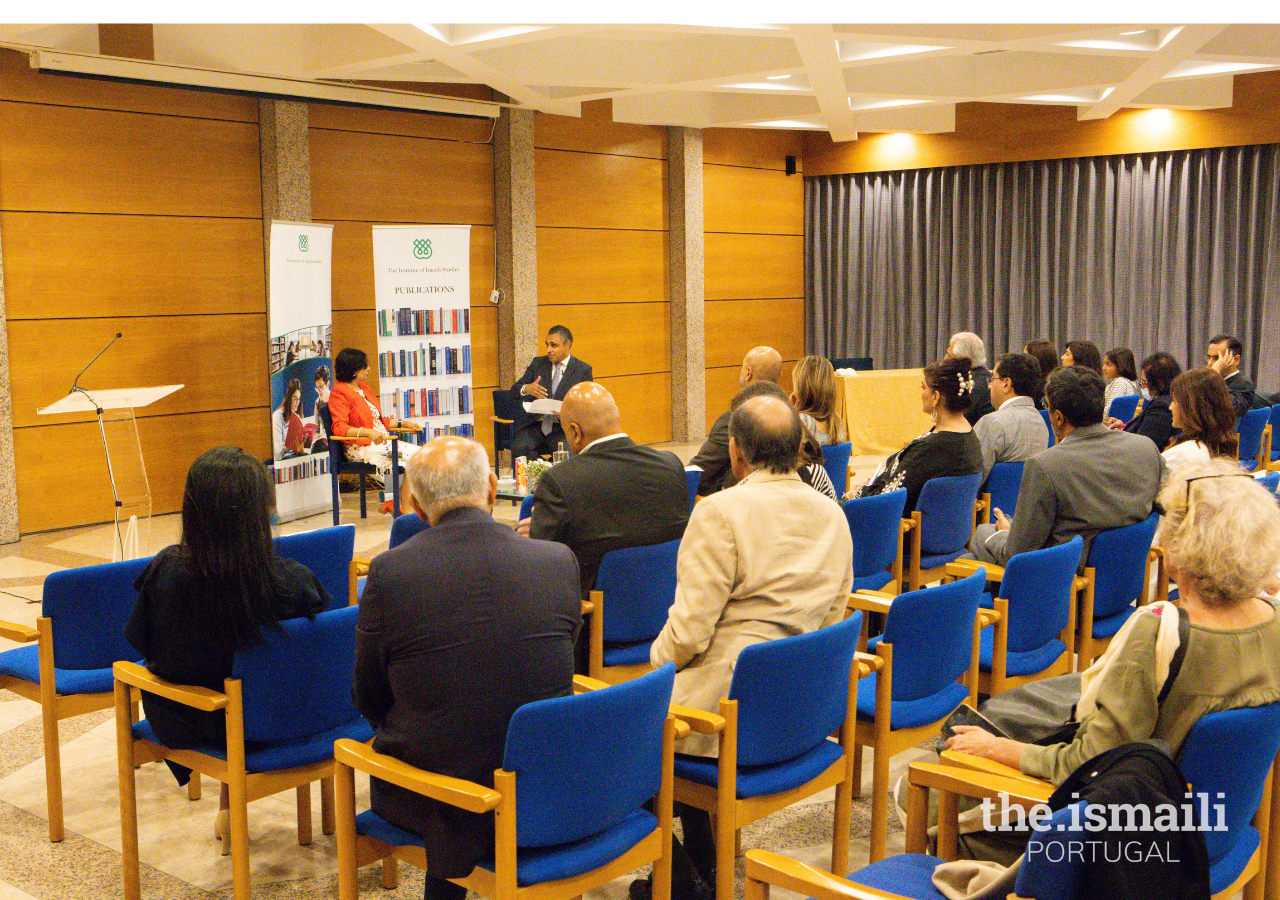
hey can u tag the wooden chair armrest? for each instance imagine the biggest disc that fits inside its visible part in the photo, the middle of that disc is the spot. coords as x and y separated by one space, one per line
988 617
342 438
457 792
12 631
582 684
400 429
1155 553
782 871
502 421
587 608
1079 584
978 784
870 601
360 566
199 698
868 663
963 568
982 764
699 721
906 525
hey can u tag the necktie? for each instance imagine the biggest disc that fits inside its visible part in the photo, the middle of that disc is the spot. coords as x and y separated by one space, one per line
549 421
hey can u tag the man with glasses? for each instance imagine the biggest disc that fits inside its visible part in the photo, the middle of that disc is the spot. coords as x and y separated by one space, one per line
1092 479
1015 431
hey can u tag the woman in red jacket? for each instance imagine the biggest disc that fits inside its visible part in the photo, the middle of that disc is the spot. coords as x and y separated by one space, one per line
354 408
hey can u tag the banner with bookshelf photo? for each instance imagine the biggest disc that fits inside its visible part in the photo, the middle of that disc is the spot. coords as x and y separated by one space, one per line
422 295
300 365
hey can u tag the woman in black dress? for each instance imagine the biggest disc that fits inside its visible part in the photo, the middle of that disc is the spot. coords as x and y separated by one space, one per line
948 448
214 593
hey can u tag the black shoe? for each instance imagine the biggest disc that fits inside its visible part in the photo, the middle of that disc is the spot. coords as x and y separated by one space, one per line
642 889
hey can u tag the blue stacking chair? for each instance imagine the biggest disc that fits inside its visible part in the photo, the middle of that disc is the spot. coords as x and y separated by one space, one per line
328 553
1034 634
1049 870
1251 427
1271 481
930 643
787 697
835 459
66 667
635 587
1044 414
340 465
403 527
1123 408
1269 438
569 800
941 525
287 701
1117 572
692 475
526 506
876 526
1003 484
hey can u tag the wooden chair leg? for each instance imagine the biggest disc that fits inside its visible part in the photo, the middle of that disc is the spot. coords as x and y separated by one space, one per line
390 873
193 787
840 827
725 839
879 803
128 796
239 809
304 815
345 809
737 843
326 805
948 811
53 770
856 786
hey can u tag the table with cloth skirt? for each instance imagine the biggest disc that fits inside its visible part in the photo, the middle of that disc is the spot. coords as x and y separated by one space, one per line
881 410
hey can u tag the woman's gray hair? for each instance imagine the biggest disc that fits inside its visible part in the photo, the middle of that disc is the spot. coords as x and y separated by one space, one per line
968 345
1221 531
438 489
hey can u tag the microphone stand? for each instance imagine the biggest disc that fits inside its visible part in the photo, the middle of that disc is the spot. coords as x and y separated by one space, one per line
102 430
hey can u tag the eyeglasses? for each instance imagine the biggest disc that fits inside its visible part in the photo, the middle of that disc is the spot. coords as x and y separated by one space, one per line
1218 475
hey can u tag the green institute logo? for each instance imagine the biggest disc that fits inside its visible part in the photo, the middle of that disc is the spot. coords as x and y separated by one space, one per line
422 249
302 243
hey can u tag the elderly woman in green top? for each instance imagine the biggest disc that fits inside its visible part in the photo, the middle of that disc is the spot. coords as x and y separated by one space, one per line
1221 539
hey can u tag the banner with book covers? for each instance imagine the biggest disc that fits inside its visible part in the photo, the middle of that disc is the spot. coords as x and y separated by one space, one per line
422 295
300 365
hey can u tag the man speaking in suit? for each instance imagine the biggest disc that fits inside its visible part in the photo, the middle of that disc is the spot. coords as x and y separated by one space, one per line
548 376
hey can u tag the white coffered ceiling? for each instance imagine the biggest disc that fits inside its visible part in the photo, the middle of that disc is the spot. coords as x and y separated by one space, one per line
839 78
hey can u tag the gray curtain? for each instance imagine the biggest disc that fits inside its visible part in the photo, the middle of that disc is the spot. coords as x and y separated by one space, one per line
1152 252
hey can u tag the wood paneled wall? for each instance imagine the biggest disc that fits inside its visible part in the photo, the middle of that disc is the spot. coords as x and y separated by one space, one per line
136 209
602 256
381 166
1007 132
754 239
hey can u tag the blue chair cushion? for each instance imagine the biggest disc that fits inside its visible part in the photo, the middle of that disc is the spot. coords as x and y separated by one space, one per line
1110 626
627 654
24 663
874 582
910 713
1228 869
360 586
262 758
1026 662
760 781
904 875
933 560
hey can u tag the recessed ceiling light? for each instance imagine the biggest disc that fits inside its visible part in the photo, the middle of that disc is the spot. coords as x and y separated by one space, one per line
1130 33
776 77
884 104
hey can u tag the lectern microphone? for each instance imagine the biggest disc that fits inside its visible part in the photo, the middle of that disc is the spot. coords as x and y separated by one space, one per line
75 385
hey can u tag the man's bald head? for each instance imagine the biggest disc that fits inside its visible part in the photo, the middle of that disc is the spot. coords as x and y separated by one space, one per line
765 432
760 364
448 473
588 414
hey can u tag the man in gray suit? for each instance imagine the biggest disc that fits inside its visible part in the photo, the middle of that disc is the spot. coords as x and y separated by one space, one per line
1094 478
1015 431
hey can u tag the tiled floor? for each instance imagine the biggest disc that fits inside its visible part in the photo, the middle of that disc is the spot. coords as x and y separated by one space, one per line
179 852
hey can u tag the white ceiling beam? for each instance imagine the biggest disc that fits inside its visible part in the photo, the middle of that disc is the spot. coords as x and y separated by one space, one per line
820 57
1182 46
354 69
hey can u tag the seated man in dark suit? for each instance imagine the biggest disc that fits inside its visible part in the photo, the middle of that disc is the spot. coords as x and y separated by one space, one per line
1223 356
613 493
548 376
1093 478
459 626
760 364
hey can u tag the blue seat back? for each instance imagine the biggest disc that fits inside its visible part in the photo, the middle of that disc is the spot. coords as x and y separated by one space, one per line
1124 407
1119 559
90 606
1271 481
946 505
793 693
931 631
1053 868
1230 753
1044 414
297 683
1003 485
1038 586
835 459
327 553
584 763
526 506
1250 427
405 527
692 475
639 585
1275 431
874 524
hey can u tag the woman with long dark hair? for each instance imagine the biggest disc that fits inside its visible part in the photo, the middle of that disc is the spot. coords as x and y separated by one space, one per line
1120 374
215 592
1082 353
287 434
1047 355
1201 408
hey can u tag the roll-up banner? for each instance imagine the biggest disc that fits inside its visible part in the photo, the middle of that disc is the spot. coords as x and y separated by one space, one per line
300 364
422 292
